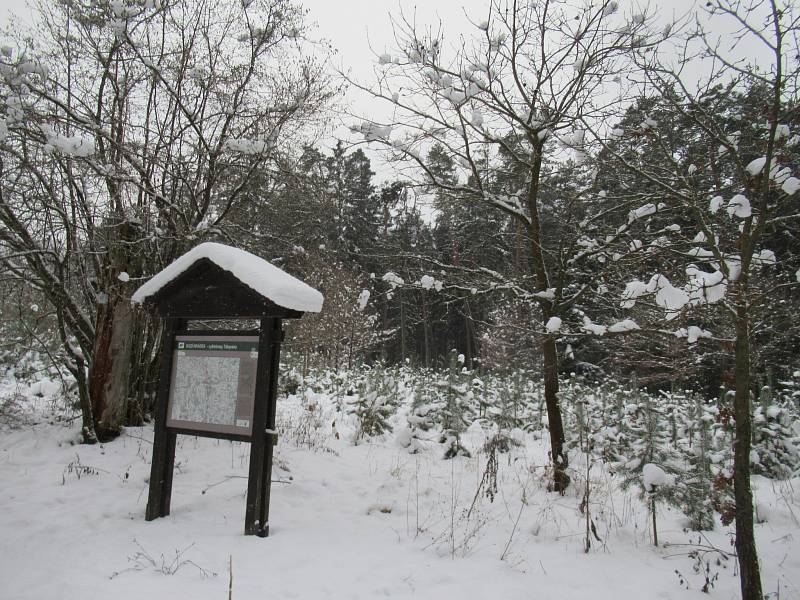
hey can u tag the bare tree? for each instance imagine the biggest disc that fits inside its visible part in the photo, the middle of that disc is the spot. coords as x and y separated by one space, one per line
733 194
131 131
508 106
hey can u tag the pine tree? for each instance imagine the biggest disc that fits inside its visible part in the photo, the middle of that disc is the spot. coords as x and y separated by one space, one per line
455 412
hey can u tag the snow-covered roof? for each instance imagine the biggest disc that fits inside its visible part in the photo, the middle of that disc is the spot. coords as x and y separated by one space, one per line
264 278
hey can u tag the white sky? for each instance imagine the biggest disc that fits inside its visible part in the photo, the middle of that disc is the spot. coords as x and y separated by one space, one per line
360 29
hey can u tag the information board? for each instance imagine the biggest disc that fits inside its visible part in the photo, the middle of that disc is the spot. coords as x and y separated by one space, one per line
213 384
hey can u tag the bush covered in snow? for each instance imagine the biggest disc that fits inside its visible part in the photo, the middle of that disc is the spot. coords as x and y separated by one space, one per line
690 438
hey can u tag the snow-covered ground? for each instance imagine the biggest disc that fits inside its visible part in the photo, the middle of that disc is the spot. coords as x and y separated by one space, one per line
366 521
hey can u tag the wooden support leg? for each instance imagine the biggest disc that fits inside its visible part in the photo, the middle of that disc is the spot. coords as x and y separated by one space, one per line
163 460
254 515
155 499
169 470
276 338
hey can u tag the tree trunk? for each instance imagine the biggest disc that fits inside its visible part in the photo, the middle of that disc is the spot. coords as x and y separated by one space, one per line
108 377
554 422
750 577
425 332
143 378
558 453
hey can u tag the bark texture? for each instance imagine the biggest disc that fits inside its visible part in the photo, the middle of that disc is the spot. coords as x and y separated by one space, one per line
750 576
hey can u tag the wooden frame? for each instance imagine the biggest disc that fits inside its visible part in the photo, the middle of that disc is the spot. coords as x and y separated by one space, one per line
208 292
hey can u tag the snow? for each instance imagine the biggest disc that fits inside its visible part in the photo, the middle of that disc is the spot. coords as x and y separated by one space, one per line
264 278
553 324
791 185
124 277
641 212
654 477
669 297
476 118
254 146
393 279
78 145
692 333
765 257
593 328
739 206
372 131
428 282
755 166
623 326
633 290
705 288
610 9
616 133
346 522
363 298
715 204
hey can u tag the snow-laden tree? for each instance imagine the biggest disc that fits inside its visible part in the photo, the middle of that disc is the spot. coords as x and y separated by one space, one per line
507 105
731 200
129 132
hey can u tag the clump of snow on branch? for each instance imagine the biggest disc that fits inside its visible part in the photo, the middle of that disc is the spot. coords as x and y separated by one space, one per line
75 145
654 477
553 324
705 288
373 132
593 328
394 281
692 333
363 298
668 297
256 145
791 185
623 326
765 258
430 283
755 166
739 206
641 212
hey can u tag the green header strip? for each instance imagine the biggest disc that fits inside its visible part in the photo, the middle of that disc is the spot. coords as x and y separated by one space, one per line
216 346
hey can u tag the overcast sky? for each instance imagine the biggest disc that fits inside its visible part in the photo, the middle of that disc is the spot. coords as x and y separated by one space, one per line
360 29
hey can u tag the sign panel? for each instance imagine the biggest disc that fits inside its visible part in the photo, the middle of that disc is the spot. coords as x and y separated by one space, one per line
213 383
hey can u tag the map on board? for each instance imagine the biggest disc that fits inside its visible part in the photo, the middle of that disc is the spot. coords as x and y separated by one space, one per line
213 383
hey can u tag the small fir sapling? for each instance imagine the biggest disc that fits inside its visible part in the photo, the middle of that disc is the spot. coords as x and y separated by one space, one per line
696 490
776 444
645 433
506 405
420 420
373 404
655 482
455 412
650 445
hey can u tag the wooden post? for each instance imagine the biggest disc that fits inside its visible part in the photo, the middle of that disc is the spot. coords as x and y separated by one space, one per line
254 523
276 337
163 460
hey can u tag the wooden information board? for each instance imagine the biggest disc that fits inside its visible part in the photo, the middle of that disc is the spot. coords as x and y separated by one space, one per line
213 384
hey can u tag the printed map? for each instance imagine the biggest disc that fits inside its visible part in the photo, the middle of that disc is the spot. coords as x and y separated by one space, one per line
205 389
